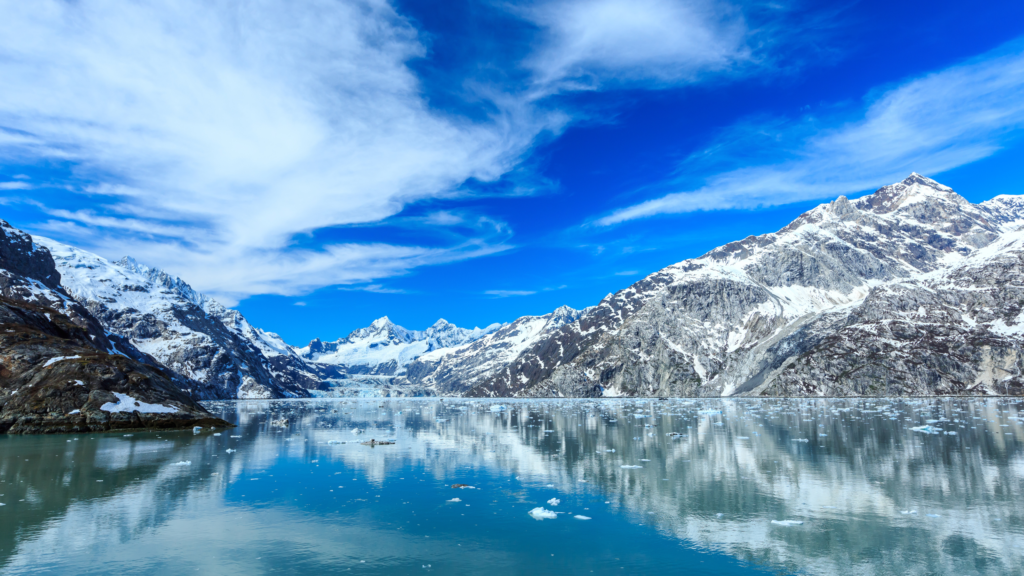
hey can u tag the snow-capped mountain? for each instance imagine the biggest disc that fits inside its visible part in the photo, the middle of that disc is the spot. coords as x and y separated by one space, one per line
60 371
384 348
164 317
911 290
457 370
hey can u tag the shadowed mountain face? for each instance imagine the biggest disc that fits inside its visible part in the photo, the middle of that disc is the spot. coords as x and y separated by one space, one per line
909 291
59 372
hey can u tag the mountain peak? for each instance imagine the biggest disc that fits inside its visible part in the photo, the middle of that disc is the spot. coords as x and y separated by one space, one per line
916 179
381 322
911 190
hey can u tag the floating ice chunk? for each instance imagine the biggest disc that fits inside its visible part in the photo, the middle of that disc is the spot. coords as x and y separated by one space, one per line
926 429
542 514
581 517
743 437
554 502
236 436
455 500
74 412
183 463
800 440
335 442
630 466
216 433
788 522
908 511
933 515
498 408
645 459
356 430
197 429
230 451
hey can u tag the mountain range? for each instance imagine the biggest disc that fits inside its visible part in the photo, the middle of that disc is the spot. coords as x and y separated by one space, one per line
911 290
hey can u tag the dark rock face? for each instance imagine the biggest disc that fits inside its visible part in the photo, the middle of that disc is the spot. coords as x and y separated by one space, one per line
52 380
909 291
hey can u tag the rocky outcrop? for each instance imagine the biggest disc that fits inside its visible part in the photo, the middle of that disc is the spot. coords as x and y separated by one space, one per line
912 290
58 371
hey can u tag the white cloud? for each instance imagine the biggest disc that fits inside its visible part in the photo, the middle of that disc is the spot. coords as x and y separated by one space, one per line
627 273
226 130
586 42
375 288
928 125
15 186
507 293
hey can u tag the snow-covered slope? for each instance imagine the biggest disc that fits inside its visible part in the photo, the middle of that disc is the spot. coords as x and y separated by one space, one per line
163 316
910 290
462 368
384 348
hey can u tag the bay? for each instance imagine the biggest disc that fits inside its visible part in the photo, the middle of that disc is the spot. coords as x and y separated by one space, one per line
739 486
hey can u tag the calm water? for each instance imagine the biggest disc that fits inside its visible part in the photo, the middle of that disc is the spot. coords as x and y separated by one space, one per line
873 495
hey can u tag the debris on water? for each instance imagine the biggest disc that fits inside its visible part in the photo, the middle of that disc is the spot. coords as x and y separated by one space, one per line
788 522
554 502
542 514
373 442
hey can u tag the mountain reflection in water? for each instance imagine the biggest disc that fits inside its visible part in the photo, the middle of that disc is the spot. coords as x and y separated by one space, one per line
666 485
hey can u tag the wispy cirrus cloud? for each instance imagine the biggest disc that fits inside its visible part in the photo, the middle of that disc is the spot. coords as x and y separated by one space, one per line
225 130
508 293
218 137
928 125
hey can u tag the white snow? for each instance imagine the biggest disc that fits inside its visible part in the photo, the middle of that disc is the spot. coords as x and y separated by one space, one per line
126 403
56 359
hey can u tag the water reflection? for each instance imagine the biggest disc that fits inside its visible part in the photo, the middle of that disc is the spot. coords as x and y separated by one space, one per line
856 488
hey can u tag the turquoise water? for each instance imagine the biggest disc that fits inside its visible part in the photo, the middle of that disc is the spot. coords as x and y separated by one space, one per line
678 486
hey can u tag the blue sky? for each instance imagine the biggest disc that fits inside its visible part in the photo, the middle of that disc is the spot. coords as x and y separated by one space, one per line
322 163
